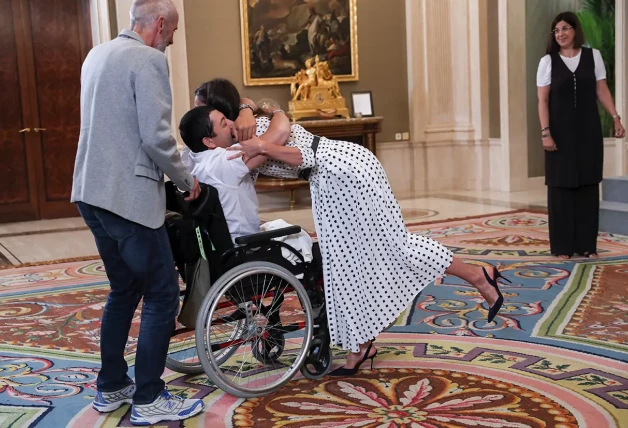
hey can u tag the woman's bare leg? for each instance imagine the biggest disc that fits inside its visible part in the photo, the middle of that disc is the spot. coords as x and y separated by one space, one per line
474 275
353 358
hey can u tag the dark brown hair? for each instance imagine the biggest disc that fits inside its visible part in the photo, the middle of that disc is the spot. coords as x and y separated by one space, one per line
222 94
196 125
571 19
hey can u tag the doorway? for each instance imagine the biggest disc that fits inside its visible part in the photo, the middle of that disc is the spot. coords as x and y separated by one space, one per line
42 46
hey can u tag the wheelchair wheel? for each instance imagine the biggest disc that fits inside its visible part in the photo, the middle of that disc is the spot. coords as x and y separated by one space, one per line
183 354
274 338
269 351
318 363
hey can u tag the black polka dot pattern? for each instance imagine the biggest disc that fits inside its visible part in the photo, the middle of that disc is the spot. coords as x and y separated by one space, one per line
275 168
373 267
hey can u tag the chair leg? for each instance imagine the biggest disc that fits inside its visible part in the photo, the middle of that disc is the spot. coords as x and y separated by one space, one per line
293 199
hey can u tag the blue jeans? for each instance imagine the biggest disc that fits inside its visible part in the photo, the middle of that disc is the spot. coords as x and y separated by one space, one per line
139 263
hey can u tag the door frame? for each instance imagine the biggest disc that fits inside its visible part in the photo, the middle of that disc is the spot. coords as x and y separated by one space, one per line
100 20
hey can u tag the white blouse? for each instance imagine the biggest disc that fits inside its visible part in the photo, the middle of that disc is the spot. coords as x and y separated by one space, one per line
299 138
544 72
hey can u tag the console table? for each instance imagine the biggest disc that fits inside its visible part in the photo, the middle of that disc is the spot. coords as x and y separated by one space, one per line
361 131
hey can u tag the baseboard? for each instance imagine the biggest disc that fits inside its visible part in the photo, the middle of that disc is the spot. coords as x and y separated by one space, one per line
393 145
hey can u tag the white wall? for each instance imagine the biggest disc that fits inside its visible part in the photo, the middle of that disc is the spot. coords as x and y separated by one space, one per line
122 13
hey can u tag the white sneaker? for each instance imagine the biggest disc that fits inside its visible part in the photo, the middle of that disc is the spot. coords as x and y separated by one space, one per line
166 407
109 401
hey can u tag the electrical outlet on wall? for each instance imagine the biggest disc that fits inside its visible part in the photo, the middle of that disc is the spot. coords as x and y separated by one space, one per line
405 136
398 136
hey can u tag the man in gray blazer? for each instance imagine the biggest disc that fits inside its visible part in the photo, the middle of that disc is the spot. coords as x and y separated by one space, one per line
125 148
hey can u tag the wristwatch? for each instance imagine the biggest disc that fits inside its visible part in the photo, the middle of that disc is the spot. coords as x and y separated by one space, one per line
243 106
616 116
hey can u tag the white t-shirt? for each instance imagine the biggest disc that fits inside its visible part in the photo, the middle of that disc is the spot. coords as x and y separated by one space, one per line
544 72
235 184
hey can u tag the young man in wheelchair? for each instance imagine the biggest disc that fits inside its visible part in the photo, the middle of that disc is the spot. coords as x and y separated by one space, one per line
207 133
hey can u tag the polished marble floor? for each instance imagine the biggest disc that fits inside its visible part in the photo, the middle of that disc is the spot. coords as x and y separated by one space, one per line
47 240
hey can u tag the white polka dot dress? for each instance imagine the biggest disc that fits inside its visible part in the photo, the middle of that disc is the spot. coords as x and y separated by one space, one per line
373 267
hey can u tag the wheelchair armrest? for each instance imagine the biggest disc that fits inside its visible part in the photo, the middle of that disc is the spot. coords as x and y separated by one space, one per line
258 238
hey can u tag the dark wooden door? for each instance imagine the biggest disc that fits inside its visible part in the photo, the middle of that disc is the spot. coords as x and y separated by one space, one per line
51 40
60 34
19 199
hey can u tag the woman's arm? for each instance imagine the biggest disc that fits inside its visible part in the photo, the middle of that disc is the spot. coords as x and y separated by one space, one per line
546 136
248 102
245 122
543 95
606 99
277 133
279 129
290 155
255 148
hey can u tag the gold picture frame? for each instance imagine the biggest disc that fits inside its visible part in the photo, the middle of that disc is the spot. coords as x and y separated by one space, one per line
274 41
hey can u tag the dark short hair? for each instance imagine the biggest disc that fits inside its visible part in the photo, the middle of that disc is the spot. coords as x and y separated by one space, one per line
196 125
571 19
222 94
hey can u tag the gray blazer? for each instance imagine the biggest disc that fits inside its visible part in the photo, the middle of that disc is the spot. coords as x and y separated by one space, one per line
125 145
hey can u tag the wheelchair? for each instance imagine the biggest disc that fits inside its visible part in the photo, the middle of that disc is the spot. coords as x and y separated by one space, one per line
259 317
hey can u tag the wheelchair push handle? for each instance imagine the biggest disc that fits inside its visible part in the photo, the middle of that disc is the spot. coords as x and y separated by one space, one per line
185 194
196 208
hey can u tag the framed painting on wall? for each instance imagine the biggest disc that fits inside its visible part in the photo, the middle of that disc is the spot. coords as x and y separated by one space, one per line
278 36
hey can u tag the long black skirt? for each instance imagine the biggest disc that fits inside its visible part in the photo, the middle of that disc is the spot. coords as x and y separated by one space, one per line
573 219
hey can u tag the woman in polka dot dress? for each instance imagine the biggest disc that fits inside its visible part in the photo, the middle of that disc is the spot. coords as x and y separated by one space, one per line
373 267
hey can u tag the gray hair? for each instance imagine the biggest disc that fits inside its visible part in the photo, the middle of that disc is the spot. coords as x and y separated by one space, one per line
145 12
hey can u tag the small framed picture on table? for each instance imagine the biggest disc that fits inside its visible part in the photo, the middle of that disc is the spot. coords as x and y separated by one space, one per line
362 104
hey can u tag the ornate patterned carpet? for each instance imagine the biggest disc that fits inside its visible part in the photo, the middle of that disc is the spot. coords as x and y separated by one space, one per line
557 356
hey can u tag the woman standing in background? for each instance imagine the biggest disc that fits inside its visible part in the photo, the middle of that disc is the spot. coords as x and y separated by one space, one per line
570 80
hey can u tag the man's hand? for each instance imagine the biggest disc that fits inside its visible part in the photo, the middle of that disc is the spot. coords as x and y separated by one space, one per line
248 149
195 192
245 124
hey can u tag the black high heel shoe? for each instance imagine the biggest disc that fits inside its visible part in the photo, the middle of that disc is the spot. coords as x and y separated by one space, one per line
342 371
493 310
